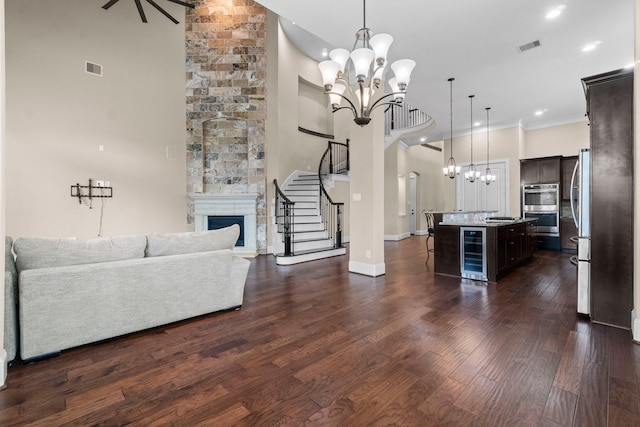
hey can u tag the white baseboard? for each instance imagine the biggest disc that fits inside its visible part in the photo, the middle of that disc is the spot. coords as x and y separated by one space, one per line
396 237
372 270
635 325
422 232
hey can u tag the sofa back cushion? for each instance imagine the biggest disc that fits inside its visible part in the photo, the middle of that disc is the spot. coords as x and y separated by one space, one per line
160 244
42 252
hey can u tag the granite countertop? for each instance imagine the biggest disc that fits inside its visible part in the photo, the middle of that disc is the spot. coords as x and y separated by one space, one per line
487 224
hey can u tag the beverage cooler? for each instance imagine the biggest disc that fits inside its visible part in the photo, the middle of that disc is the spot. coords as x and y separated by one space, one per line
473 253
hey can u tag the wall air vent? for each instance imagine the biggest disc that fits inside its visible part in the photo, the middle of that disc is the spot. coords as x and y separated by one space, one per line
93 68
528 46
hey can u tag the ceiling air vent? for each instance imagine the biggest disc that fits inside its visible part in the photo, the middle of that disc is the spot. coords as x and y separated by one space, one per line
93 68
528 46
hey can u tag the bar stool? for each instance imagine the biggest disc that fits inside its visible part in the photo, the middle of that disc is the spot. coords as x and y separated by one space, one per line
430 232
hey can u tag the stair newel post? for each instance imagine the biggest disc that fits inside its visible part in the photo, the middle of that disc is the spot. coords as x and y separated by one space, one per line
348 166
287 224
330 158
338 242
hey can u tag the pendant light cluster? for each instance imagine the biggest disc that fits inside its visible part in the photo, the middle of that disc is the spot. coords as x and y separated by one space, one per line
356 76
452 170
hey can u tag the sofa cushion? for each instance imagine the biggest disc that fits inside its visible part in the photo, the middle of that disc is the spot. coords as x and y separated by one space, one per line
159 244
42 252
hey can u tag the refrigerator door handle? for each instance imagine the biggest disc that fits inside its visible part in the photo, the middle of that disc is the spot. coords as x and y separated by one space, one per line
573 181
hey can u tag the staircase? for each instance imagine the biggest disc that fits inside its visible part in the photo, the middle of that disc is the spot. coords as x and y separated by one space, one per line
310 237
307 223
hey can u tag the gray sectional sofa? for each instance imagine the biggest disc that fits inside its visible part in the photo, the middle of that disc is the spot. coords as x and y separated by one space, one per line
72 292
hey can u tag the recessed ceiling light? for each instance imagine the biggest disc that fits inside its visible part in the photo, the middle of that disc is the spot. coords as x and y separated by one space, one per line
591 46
554 13
539 113
629 66
423 139
325 53
477 124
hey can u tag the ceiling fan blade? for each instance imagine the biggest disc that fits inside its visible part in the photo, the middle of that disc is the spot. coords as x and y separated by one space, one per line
161 10
141 12
183 3
109 4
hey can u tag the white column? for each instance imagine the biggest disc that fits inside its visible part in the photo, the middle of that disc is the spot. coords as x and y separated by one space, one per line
366 218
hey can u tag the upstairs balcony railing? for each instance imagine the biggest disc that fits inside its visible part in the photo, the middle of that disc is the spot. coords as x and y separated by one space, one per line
404 116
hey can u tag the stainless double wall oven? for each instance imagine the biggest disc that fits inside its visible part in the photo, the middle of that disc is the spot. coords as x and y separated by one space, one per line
542 202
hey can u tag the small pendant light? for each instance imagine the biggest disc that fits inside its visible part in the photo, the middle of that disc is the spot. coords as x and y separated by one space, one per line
451 170
471 173
488 177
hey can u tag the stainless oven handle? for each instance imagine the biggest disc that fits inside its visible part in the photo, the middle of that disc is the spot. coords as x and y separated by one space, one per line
573 180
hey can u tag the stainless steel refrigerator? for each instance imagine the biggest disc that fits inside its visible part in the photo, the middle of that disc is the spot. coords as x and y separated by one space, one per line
580 195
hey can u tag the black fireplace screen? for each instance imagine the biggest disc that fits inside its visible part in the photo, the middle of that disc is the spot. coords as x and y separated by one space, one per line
216 222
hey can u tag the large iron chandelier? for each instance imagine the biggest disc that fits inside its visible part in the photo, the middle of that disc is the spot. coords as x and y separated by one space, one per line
356 76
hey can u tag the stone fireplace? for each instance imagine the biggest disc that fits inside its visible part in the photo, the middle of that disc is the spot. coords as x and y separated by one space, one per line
226 115
229 205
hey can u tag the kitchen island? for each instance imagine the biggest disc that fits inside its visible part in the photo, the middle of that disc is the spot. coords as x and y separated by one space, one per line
500 245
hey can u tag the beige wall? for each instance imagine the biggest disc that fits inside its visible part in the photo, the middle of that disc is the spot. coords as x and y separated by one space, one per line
427 164
392 220
563 140
58 116
401 161
294 150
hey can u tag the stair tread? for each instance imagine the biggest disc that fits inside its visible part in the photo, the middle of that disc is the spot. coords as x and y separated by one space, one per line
319 239
311 251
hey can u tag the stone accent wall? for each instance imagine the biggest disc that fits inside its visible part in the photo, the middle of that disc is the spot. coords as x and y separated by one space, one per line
226 110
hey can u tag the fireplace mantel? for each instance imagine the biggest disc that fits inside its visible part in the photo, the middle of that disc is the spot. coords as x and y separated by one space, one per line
206 205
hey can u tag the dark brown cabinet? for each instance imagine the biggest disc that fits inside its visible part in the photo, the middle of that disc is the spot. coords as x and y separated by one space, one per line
514 244
507 246
544 170
610 110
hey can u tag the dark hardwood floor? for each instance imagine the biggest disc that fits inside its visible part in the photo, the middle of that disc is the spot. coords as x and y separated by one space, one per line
315 345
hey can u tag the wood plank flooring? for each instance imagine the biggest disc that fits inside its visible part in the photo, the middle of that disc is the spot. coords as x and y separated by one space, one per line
315 345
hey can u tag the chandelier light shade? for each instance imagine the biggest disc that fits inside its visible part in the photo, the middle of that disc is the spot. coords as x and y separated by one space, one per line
471 174
355 77
451 170
488 176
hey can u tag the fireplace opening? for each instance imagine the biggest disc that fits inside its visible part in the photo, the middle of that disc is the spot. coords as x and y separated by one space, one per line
216 222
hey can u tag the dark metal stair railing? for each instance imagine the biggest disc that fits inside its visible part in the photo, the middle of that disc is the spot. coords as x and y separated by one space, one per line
338 158
403 116
335 160
284 219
